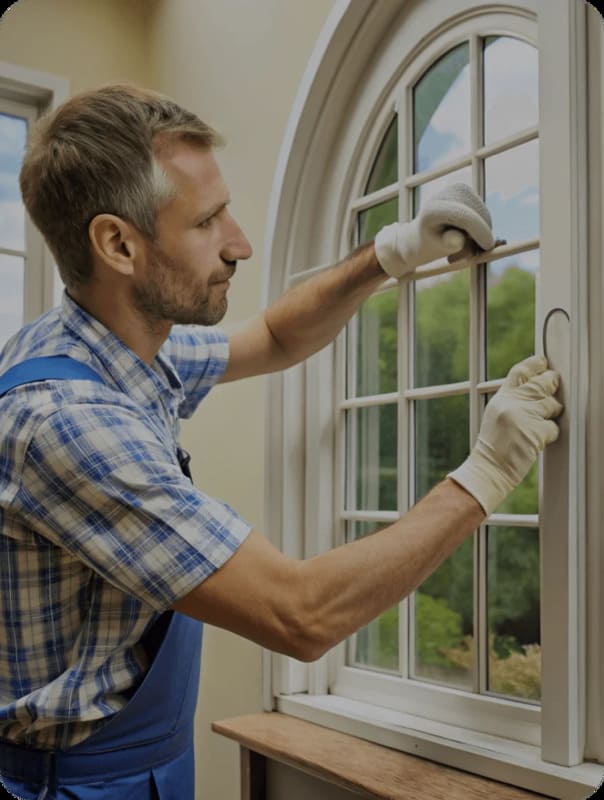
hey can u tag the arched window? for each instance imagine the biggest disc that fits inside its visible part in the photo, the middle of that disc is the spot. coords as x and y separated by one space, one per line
423 95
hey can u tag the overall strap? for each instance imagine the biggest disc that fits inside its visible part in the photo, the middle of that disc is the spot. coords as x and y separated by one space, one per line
44 369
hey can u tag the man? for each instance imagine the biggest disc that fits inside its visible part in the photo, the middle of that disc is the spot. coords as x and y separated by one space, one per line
103 535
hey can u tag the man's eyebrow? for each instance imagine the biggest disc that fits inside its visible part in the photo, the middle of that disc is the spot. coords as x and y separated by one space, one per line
212 210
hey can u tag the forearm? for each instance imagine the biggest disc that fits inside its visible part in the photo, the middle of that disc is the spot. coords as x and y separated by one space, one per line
309 316
349 586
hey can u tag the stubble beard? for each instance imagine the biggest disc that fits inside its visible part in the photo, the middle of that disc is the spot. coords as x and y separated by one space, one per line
166 298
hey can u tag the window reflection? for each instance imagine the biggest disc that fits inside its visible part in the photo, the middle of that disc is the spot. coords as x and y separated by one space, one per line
512 192
513 612
377 345
372 442
441 110
442 328
423 193
441 439
11 296
385 167
510 312
511 85
377 644
444 622
372 219
13 136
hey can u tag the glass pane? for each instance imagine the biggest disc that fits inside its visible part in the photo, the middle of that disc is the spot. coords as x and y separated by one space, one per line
12 271
511 87
510 312
512 192
13 136
427 190
441 439
513 612
385 167
372 219
442 328
444 622
377 345
374 432
441 110
375 645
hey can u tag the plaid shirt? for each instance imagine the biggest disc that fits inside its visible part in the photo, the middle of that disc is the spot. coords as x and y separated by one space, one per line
100 532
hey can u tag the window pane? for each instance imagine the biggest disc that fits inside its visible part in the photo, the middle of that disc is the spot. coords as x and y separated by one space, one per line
441 439
513 612
512 192
373 433
427 190
371 220
510 312
385 167
375 645
444 627
441 110
511 85
377 345
13 135
11 296
442 326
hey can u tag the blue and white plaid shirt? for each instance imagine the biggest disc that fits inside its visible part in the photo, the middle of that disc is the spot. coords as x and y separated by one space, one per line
100 531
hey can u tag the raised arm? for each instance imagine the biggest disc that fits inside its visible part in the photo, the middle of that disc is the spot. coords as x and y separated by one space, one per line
302 608
310 315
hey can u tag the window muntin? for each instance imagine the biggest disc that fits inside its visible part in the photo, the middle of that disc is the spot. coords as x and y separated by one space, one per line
460 337
13 137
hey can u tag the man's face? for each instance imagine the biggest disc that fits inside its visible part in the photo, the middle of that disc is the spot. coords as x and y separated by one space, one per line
197 243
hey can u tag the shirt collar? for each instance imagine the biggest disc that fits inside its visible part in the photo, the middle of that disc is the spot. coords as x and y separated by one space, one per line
126 370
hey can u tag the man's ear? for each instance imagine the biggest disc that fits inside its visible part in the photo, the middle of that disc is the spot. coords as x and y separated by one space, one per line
115 242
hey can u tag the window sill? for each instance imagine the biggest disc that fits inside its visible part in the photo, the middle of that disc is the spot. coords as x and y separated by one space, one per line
351 763
494 758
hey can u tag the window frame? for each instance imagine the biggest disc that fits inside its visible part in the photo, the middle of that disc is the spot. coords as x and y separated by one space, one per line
34 92
299 455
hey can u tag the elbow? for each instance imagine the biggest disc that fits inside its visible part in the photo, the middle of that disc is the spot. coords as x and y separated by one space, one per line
307 636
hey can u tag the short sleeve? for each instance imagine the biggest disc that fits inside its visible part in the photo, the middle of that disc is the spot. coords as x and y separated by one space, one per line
200 356
98 482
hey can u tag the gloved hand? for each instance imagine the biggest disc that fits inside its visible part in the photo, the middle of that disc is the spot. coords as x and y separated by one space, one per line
442 228
517 424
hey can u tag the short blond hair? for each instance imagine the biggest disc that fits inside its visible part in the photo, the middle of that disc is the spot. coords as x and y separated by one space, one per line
96 154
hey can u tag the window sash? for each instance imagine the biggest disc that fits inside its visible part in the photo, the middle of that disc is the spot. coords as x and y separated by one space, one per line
372 104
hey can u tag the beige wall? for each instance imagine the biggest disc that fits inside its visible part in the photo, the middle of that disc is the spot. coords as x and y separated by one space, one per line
87 41
238 64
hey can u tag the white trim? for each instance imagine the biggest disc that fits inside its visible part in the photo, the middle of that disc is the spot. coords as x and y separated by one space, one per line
564 249
309 167
45 92
491 756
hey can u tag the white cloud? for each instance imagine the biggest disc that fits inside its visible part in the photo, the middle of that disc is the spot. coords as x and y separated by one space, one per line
513 172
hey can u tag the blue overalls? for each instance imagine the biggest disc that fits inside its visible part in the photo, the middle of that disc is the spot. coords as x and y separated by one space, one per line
144 752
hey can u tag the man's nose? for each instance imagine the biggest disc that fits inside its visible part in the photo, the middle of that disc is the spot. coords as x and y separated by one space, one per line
238 247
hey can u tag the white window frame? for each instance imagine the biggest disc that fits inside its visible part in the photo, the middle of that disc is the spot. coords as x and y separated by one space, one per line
29 93
333 98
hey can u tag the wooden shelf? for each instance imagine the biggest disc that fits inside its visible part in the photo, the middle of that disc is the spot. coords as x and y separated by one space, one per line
350 763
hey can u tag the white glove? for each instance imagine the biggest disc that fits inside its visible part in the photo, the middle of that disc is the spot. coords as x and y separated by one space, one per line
440 229
517 425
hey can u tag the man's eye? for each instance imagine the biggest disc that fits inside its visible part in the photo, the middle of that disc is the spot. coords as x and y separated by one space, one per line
206 222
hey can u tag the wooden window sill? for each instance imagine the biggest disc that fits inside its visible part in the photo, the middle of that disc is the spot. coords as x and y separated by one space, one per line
349 763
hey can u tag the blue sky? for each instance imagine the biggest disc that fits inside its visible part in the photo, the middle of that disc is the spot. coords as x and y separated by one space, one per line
511 105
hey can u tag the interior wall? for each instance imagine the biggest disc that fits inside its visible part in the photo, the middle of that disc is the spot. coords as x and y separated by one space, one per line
89 42
237 64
